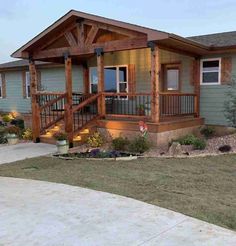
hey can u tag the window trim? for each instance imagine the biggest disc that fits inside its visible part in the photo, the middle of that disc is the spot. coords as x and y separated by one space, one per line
166 67
118 82
201 71
1 84
28 96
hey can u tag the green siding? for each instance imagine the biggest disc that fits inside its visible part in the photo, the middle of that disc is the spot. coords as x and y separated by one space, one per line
142 60
14 92
213 97
212 104
52 79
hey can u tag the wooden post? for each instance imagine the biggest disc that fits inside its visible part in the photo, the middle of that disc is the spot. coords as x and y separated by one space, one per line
197 87
100 70
155 81
69 101
34 104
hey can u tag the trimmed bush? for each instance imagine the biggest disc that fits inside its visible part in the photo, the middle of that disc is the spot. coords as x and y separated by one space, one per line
120 143
207 131
139 145
187 140
199 144
95 140
6 118
190 139
27 134
19 123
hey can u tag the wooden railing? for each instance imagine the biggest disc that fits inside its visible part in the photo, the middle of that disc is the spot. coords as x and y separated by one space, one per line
78 97
85 112
177 104
131 105
51 106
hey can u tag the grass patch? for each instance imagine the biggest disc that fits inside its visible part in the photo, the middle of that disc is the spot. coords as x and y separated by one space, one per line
204 188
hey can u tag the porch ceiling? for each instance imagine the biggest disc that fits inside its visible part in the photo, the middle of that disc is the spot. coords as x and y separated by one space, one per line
65 35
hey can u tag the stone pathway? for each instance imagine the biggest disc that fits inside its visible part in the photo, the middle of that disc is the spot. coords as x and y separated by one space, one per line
48 214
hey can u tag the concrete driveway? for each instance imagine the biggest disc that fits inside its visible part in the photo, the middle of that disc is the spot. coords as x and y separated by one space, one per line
42 213
11 153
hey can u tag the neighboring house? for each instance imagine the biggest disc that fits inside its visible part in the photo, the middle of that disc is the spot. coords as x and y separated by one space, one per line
88 70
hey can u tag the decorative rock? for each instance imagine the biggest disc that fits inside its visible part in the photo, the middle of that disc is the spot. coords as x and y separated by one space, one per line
225 148
175 149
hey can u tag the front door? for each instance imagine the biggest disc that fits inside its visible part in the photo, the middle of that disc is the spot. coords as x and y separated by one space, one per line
170 104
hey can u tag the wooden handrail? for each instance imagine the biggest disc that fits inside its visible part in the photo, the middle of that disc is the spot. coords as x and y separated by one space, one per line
50 103
38 93
176 94
126 94
85 102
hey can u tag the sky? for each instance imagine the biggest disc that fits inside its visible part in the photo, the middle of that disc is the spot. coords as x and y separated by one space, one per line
21 20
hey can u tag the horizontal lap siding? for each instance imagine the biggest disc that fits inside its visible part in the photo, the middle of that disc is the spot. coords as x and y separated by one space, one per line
212 104
14 100
213 97
141 58
52 79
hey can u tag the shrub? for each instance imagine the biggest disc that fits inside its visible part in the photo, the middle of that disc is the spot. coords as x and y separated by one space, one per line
139 145
120 143
208 131
27 134
95 140
225 148
192 140
187 140
60 136
19 123
6 118
199 144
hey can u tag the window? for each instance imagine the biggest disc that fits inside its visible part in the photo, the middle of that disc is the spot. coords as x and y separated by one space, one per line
115 79
27 84
172 79
210 71
1 85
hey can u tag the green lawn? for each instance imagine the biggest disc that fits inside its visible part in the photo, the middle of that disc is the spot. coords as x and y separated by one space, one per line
204 188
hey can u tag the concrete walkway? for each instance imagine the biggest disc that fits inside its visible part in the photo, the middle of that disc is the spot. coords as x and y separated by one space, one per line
11 153
42 213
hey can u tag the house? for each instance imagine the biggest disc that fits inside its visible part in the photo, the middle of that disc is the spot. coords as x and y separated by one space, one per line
88 71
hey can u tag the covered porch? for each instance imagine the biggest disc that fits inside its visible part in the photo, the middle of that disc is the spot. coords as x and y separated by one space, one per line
84 38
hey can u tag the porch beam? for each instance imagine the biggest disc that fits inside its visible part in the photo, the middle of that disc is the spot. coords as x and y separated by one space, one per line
116 45
91 36
70 39
34 104
100 71
155 81
80 33
68 106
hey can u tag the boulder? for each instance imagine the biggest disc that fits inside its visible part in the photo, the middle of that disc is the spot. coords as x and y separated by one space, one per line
175 149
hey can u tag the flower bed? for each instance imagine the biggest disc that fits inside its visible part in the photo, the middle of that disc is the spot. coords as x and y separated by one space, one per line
98 155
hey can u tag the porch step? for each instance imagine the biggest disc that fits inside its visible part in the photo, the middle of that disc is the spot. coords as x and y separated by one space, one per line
80 138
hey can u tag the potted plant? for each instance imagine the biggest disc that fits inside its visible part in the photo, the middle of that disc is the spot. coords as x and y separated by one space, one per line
62 145
12 134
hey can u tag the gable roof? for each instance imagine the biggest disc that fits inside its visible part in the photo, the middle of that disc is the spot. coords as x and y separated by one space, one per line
217 40
73 15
